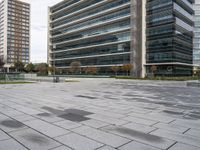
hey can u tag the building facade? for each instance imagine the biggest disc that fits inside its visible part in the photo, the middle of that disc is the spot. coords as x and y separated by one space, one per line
170 36
14 32
196 41
104 33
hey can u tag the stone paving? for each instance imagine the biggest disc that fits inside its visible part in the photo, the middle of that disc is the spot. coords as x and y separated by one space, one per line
100 114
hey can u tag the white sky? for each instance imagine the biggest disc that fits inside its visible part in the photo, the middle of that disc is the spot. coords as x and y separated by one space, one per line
39 9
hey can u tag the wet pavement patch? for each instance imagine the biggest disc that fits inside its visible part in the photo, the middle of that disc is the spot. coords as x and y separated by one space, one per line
137 134
78 112
173 112
74 117
36 139
12 124
44 114
83 96
53 110
192 116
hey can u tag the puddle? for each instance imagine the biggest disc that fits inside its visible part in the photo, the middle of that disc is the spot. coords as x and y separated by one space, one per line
12 124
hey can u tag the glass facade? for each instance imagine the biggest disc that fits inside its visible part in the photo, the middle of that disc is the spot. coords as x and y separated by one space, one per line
169 36
94 32
196 41
110 33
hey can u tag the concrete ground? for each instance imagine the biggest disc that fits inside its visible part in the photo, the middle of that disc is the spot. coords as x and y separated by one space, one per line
100 114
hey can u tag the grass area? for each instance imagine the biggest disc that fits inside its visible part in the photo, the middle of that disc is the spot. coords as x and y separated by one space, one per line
160 78
72 81
15 82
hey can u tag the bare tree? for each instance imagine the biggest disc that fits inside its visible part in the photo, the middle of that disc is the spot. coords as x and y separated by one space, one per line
127 68
154 70
115 69
91 70
75 67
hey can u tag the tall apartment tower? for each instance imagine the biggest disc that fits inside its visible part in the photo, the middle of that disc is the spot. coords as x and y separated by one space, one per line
14 31
106 33
196 41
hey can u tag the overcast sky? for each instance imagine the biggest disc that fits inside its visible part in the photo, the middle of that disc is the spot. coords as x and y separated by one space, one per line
39 9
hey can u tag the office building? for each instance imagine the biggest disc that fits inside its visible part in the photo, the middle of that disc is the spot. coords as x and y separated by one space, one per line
14 32
170 36
104 33
196 41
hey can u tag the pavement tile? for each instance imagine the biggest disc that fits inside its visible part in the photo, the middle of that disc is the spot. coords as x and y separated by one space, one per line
34 140
67 124
140 120
26 110
11 112
171 127
137 146
11 145
48 117
46 128
62 148
178 137
187 123
101 136
108 120
155 141
3 136
181 146
106 148
193 132
78 142
24 117
155 117
94 123
139 127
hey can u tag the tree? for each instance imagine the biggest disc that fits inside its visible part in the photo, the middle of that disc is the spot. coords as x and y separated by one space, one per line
1 63
51 69
29 67
127 68
42 68
115 69
91 70
75 67
154 69
19 66
197 71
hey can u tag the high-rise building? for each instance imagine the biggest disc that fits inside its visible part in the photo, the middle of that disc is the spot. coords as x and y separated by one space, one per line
196 41
170 36
14 31
102 33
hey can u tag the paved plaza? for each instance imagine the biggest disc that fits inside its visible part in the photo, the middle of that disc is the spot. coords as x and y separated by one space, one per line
100 114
